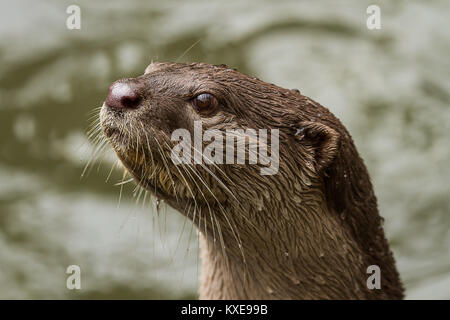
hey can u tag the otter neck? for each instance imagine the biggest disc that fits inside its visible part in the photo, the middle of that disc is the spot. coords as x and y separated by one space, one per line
307 254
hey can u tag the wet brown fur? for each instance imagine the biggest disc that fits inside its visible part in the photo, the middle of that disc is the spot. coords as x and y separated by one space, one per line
308 232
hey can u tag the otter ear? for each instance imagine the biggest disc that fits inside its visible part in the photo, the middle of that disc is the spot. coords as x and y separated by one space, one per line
322 139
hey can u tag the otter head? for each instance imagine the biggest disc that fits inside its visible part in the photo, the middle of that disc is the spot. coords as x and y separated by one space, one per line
142 115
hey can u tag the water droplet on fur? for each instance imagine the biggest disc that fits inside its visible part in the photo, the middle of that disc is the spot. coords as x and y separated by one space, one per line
320 280
269 290
260 207
307 181
158 205
297 199
286 254
321 255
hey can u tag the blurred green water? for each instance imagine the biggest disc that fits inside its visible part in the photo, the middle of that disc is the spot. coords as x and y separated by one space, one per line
390 87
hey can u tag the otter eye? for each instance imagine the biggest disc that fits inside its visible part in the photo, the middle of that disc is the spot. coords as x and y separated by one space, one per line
205 102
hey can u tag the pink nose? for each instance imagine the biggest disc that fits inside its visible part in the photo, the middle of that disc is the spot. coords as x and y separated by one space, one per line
122 96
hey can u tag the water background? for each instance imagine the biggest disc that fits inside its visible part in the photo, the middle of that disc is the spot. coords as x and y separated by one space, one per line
390 87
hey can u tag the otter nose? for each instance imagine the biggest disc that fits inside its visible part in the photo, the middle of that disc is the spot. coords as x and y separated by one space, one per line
122 96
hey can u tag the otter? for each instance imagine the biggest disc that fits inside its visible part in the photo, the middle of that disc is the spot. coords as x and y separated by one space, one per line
309 231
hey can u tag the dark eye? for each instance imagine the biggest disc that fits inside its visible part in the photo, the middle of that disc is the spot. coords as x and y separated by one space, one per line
205 102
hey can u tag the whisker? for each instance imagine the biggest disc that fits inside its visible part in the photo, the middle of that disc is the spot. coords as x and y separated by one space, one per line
187 50
124 182
161 151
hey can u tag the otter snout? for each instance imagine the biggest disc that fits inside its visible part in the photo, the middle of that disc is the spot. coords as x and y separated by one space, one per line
121 95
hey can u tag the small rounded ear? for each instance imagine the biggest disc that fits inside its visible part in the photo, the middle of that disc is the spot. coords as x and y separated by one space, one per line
323 140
